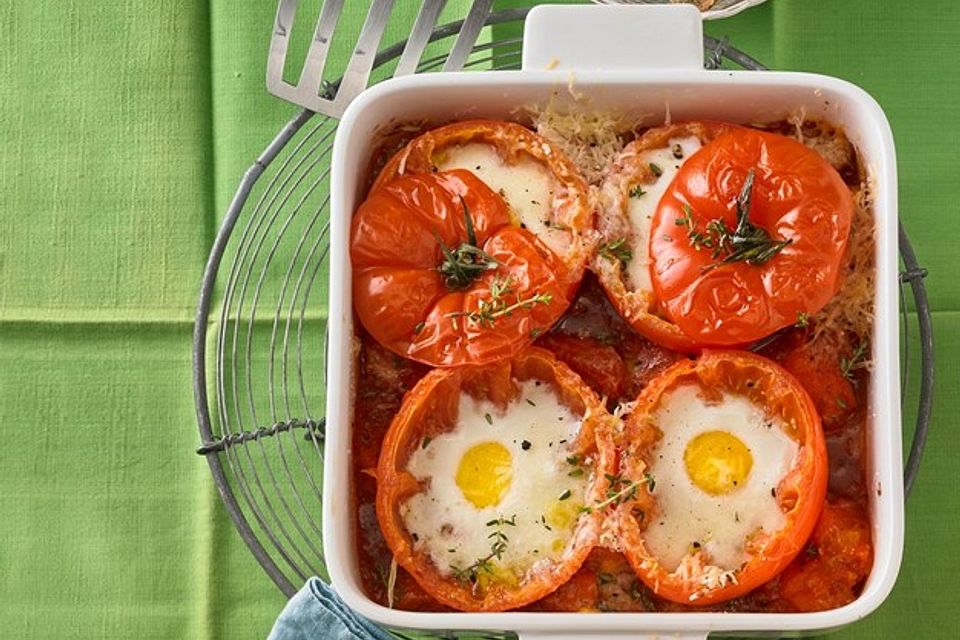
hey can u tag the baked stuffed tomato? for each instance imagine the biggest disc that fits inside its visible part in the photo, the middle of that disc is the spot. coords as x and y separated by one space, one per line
544 192
631 190
442 275
739 466
471 243
486 480
749 238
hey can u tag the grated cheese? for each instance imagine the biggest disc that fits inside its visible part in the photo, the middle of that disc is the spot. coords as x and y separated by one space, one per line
624 409
851 310
693 570
590 138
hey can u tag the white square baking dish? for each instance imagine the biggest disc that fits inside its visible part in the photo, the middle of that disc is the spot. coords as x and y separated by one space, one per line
646 61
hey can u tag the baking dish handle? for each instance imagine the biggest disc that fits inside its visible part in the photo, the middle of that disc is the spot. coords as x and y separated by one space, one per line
613 37
613 635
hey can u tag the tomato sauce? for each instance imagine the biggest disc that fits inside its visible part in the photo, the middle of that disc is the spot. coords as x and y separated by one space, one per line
617 363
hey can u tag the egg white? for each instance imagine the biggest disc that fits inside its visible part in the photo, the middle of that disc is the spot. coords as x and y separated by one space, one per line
640 209
719 523
527 186
453 531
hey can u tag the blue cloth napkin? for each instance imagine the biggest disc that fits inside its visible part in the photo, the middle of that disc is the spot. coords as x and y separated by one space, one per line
316 612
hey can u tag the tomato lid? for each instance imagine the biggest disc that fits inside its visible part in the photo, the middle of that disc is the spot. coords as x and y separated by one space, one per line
749 236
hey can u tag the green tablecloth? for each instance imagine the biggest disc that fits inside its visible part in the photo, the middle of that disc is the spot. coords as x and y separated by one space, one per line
125 130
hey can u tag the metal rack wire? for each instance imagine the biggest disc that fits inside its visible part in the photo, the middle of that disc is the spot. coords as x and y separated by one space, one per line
259 341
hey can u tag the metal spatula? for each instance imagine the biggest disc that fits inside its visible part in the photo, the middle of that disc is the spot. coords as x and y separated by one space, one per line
332 98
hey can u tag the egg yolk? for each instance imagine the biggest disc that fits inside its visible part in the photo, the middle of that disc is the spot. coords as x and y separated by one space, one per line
484 474
717 462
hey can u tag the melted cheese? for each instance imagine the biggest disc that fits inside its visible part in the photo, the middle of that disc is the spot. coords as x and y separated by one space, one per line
527 186
640 209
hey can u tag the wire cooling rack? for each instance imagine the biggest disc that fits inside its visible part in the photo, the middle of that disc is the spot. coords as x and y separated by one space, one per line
260 334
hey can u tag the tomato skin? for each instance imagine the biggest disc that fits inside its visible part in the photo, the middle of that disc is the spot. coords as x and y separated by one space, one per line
429 409
796 195
645 360
598 364
800 493
839 560
580 593
817 366
400 296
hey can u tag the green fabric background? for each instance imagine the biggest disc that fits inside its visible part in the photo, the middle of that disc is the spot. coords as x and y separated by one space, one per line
125 129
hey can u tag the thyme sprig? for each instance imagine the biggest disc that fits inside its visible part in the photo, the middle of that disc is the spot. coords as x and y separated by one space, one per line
498 546
746 243
620 490
466 263
497 306
749 243
857 360
616 250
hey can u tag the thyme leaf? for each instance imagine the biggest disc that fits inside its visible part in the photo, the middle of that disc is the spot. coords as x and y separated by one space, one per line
637 191
616 250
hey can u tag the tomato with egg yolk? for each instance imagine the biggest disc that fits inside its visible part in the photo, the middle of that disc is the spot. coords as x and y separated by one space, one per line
799 495
731 262
429 410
